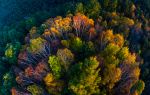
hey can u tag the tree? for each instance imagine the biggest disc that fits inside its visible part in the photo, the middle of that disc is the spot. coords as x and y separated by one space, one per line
11 52
85 81
123 53
29 23
111 75
93 8
108 37
113 5
80 8
8 83
40 70
53 86
65 43
138 87
2 70
35 90
109 5
92 33
126 21
66 57
33 32
81 24
88 49
36 45
15 91
105 3
76 44
55 66
118 40
111 50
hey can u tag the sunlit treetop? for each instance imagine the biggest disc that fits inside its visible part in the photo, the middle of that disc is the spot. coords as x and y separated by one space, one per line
36 44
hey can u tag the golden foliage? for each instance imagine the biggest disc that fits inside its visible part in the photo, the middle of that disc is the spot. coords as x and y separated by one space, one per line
49 79
35 90
108 35
111 75
131 58
53 86
118 40
36 44
66 57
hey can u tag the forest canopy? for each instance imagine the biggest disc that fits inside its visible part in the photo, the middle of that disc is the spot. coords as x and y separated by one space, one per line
75 47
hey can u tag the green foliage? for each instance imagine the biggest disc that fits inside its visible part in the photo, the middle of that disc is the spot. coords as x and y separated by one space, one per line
111 50
85 80
81 48
113 5
55 66
89 49
7 84
127 21
80 8
30 22
128 5
1 67
65 43
105 3
9 52
76 44
123 53
93 8
12 51
138 87
109 5
35 90
9 34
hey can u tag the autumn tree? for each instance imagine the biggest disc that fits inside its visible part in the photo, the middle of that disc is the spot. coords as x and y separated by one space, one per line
66 57
138 87
111 75
35 90
109 54
108 37
85 80
36 44
81 24
52 85
123 53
